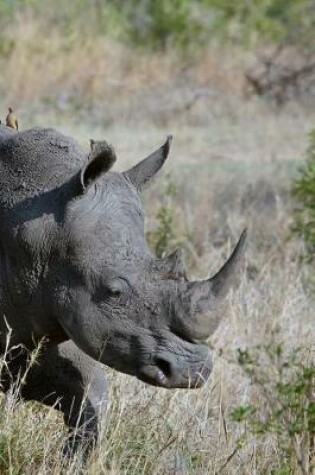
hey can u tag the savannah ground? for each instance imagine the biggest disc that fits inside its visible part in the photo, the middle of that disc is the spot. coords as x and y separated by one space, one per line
231 166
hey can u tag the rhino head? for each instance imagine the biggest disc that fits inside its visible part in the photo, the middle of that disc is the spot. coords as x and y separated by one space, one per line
114 298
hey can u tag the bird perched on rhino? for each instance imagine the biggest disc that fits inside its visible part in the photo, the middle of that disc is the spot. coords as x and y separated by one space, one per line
11 120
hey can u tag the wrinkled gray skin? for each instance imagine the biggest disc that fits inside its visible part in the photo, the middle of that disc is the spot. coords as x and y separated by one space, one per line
76 271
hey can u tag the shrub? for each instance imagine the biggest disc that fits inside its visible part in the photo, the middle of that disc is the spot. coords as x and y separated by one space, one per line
304 194
182 24
289 22
285 407
164 238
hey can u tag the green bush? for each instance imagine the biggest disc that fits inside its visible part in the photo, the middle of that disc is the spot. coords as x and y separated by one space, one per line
285 22
165 238
160 24
304 194
184 24
284 408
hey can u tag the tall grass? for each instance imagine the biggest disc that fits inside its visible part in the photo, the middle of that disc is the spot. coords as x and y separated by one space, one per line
152 431
231 164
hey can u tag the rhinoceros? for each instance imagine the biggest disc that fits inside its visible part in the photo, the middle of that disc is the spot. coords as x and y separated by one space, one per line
77 276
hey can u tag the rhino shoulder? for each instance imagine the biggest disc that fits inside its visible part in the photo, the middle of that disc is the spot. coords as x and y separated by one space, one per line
36 161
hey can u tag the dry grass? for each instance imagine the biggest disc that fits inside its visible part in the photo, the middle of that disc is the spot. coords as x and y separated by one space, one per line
151 431
231 163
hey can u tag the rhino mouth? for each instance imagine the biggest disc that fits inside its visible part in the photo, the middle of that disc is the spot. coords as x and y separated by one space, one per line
166 373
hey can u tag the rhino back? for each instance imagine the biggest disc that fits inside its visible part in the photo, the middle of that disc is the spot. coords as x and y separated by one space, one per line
35 162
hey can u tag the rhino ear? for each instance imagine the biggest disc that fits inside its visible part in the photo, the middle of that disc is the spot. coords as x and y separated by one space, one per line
141 173
101 158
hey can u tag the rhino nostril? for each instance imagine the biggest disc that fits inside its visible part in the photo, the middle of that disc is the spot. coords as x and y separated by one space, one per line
165 366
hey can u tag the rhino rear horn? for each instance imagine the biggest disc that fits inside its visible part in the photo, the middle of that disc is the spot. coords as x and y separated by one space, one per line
101 158
141 173
172 266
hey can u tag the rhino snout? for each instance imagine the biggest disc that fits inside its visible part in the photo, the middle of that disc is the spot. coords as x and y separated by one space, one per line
174 372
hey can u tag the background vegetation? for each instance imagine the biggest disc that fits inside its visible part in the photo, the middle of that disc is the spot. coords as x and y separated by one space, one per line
304 193
233 81
180 22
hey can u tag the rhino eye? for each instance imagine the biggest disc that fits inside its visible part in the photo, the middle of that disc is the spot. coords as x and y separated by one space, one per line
114 293
117 288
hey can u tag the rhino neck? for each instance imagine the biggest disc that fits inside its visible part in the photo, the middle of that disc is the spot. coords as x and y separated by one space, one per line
38 175
22 309
25 249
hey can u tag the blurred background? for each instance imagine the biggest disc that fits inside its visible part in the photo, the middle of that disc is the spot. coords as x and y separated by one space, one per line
234 82
103 62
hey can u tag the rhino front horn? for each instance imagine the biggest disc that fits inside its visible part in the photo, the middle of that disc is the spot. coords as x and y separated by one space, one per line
228 275
206 296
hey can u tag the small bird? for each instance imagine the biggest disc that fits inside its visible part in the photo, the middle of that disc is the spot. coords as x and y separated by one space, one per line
11 120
